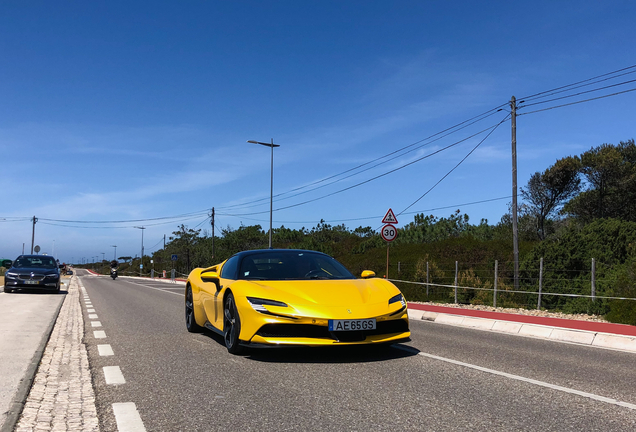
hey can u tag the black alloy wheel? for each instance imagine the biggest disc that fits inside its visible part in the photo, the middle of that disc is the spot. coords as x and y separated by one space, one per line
231 325
191 323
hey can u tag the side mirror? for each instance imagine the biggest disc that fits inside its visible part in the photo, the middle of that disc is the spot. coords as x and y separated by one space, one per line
367 274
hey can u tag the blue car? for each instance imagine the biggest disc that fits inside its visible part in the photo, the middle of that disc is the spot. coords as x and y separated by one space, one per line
33 271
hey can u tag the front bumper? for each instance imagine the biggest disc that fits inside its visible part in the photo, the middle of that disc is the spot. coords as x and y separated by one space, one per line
42 283
261 329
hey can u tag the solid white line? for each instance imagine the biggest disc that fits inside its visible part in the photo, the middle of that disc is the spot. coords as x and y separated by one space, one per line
524 379
113 375
99 334
158 289
128 418
105 350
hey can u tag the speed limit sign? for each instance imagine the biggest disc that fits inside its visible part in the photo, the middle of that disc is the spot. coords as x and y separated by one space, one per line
389 232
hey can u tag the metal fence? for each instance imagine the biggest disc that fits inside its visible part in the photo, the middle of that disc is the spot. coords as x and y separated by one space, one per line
478 284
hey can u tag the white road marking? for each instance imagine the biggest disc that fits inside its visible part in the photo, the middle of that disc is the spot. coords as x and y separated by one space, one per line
524 379
96 324
128 418
158 289
92 316
105 350
90 310
113 375
99 334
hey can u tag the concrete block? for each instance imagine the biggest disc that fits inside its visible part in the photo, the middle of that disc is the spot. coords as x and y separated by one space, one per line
507 327
582 337
415 314
449 319
480 323
626 343
535 330
429 316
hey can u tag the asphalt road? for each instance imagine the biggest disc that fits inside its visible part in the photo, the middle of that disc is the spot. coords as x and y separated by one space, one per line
188 382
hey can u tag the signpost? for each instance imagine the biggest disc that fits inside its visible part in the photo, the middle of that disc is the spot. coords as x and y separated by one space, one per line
388 233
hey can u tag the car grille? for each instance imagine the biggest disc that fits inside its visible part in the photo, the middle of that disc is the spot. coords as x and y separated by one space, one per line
322 332
36 277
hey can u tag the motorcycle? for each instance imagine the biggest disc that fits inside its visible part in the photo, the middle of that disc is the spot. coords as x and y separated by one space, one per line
113 273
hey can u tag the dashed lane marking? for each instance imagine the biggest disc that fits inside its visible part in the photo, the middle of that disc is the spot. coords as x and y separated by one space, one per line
524 379
99 334
92 316
128 418
96 324
105 350
113 375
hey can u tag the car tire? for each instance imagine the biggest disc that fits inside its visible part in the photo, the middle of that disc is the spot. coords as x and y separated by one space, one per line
231 325
191 323
8 290
57 289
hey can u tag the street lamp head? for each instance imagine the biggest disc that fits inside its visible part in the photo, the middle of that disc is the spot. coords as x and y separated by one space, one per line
264 144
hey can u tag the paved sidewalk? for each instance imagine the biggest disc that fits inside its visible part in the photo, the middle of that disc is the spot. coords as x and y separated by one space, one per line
62 397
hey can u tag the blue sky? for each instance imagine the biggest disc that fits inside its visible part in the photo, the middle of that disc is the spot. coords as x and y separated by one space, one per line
132 111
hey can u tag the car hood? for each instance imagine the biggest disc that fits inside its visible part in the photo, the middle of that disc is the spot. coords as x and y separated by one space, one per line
348 292
37 270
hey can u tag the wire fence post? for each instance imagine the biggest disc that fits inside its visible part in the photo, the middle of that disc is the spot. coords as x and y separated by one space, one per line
494 294
540 282
456 266
593 279
398 267
172 275
427 280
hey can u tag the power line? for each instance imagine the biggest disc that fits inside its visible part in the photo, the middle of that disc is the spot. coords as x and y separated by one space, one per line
458 164
440 135
378 176
579 82
578 102
578 94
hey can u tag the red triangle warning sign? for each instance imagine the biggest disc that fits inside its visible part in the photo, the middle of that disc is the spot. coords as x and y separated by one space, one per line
389 218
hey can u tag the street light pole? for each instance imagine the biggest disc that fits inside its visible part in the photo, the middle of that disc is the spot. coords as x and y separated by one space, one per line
271 185
141 262
115 253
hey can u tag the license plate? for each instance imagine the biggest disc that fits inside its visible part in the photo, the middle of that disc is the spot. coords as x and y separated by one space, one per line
30 282
352 325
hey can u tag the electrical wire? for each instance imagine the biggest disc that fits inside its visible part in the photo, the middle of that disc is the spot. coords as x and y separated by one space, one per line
458 164
533 96
439 135
577 102
378 176
577 94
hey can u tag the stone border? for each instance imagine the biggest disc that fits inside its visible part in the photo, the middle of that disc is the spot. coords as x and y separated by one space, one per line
558 334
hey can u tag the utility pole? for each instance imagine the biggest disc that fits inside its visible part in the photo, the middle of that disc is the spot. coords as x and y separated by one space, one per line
515 232
33 234
212 222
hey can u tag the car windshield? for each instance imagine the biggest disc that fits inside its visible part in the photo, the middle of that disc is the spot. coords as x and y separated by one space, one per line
292 265
35 262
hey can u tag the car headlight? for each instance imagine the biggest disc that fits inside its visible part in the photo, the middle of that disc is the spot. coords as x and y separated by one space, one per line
258 304
10 275
397 298
52 276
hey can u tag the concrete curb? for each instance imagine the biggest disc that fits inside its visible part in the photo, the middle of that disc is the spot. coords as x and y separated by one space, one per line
558 334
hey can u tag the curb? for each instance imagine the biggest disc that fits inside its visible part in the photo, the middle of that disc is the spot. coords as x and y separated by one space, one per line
18 402
510 326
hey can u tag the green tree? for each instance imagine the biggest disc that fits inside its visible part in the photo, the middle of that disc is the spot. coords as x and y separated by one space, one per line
610 171
547 191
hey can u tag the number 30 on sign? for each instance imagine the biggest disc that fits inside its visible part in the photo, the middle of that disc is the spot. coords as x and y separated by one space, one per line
389 232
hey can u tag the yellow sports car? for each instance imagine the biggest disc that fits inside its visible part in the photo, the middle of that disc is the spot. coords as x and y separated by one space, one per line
293 297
